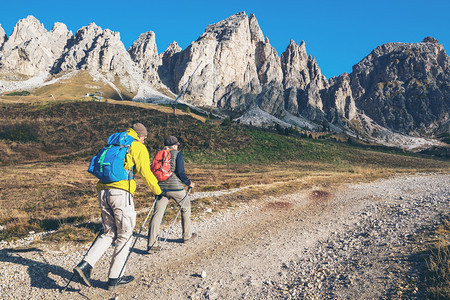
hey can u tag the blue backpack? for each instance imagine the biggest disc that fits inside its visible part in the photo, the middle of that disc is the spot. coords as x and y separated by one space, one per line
108 164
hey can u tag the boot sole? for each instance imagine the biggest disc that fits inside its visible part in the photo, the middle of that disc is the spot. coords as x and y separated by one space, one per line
112 287
83 279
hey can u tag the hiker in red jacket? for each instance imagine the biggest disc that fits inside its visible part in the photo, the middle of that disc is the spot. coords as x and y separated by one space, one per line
172 188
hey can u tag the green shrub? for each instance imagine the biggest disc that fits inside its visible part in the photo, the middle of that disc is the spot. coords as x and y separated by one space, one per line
19 93
19 132
227 121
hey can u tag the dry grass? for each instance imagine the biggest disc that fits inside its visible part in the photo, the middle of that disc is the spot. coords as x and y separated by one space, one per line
47 195
46 147
75 87
438 262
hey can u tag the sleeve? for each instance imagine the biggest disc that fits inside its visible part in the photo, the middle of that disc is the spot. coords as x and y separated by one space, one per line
142 164
179 170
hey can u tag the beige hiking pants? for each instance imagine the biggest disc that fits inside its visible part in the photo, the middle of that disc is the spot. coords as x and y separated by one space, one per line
119 219
160 207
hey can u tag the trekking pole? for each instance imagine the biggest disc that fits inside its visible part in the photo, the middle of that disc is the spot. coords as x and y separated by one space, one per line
181 207
135 240
73 274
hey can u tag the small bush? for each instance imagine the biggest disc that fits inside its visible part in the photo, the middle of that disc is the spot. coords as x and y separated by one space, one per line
19 93
227 121
19 132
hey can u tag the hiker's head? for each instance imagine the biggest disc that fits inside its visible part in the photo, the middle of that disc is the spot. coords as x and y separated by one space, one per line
171 142
141 131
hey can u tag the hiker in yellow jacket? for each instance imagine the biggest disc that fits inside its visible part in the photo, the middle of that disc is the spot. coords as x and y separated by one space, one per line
118 213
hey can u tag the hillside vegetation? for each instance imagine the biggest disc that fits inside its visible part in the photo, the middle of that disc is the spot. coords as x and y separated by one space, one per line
45 150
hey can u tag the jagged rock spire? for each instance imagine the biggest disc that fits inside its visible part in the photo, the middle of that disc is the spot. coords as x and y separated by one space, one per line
31 50
145 55
144 51
3 36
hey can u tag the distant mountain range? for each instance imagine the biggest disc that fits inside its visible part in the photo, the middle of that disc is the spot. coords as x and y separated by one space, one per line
398 95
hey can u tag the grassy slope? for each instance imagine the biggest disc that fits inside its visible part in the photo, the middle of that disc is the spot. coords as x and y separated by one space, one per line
45 149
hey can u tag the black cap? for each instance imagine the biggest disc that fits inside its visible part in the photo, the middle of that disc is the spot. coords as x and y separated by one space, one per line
170 141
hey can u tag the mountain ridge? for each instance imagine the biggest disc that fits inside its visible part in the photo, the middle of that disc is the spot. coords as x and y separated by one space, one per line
397 90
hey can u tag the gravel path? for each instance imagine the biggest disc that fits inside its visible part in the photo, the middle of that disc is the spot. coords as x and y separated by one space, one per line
353 242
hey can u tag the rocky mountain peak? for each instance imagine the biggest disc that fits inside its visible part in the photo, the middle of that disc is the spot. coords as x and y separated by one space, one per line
59 28
85 49
172 49
59 36
255 30
227 50
145 55
88 32
294 62
236 26
430 39
3 37
27 29
101 52
404 86
31 50
144 47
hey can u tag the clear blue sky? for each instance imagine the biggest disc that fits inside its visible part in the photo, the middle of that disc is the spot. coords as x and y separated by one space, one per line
338 33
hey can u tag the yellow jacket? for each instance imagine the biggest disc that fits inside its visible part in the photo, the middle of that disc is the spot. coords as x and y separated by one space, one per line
137 157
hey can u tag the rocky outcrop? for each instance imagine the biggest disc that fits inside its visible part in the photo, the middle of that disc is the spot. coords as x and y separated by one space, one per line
166 69
31 50
100 51
228 72
339 105
144 53
3 37
240 70
303 81
405 87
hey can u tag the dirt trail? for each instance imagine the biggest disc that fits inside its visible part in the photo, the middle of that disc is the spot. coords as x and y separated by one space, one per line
255 252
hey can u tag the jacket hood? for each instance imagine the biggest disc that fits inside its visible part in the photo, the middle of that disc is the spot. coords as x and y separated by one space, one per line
132 133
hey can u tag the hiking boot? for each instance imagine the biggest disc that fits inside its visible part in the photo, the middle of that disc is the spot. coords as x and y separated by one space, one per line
193 236
83 271
116 282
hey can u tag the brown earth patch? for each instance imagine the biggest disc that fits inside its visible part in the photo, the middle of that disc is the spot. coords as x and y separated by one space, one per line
319 196
278 205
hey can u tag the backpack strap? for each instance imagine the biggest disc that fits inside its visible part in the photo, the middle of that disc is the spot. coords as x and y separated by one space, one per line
102 158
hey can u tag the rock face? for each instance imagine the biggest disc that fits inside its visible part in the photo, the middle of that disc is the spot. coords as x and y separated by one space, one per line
302 82
228 73
405 87
31 50
241 70
145 54
101 51
339 105
3 37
